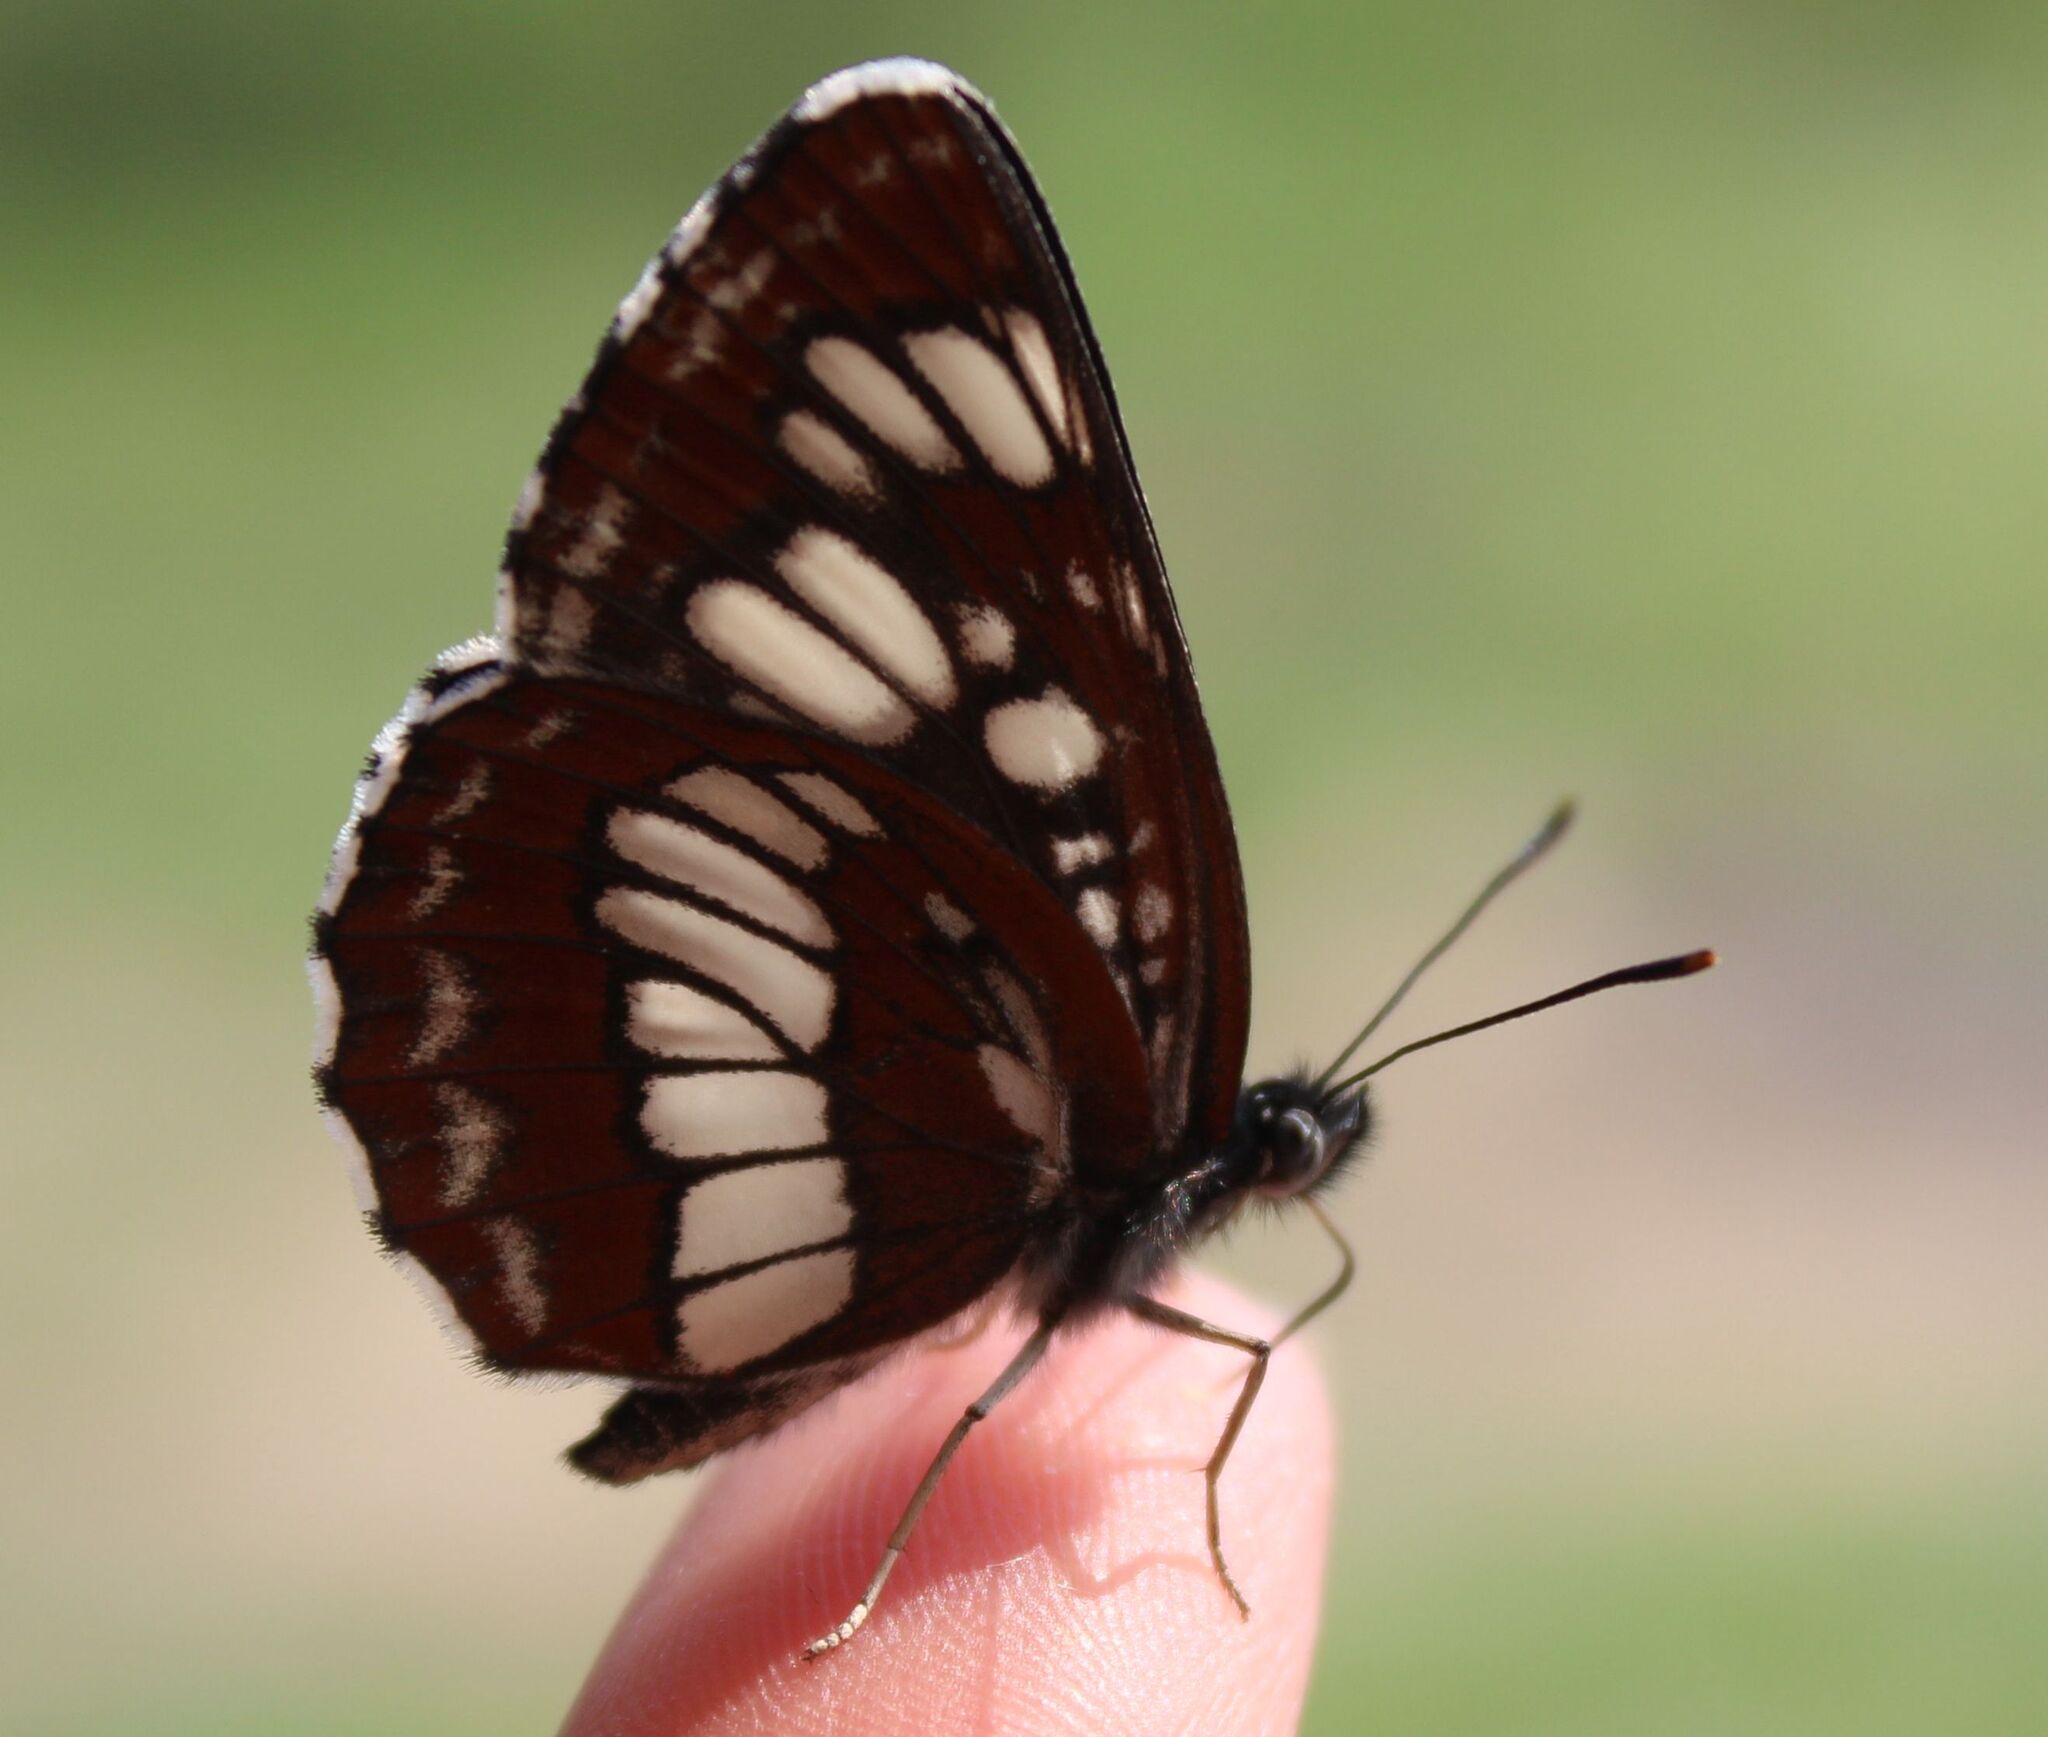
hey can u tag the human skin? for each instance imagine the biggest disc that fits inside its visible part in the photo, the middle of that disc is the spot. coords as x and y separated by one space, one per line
1058 1582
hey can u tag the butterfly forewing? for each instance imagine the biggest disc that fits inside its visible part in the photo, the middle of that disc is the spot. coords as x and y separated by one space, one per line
848 460
820 890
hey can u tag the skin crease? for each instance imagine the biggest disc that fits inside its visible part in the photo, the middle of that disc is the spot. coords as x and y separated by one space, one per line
1059 1582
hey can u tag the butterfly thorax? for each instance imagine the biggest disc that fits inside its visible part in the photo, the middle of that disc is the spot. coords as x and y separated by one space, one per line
1286 1139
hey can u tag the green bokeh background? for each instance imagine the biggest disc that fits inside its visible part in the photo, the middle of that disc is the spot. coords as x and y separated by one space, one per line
1647 400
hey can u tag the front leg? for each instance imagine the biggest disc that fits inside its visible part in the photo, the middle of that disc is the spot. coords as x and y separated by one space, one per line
1259 1350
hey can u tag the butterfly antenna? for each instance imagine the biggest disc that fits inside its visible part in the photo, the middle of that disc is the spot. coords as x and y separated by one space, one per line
1656 971
1526 858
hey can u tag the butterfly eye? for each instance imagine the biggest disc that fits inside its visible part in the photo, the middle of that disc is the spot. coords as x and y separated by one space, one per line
1294 1151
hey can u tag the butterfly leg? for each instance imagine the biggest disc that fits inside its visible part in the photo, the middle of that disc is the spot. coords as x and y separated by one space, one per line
1335 1288
1018 1367
1259 1350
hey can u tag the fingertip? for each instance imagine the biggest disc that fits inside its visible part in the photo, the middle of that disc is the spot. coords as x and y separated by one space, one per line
1059 1580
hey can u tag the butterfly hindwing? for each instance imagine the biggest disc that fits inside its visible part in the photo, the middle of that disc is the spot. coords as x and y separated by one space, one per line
682 1047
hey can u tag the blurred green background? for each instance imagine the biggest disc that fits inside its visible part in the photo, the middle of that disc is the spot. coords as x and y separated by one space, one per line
1643 400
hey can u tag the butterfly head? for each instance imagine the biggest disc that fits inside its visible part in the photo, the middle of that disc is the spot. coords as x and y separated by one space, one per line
1293 1137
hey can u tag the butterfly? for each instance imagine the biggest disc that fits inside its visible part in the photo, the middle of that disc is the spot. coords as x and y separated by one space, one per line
813 911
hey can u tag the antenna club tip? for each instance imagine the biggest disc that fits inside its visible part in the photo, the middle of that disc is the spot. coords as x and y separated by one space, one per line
1703 960
1555 825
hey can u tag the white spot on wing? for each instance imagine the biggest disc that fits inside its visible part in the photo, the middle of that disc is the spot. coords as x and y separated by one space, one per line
874 392
1020 1094
440 879
514 1248
834 801
473 1132
724 1115
1081 441
1034 357
1023 1096
1134 603
827 454
822 226
448 1006
751 633
681 1023
695 860
735 800
470 795
986 637
700 348
565 630
787 990
1071 855
737 293
979 390
948 918
603 531
1162 1043
727 1325
550 726
1152 912
1049 743
869 605
747 1215
1022 1017
1097 909
1082 585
